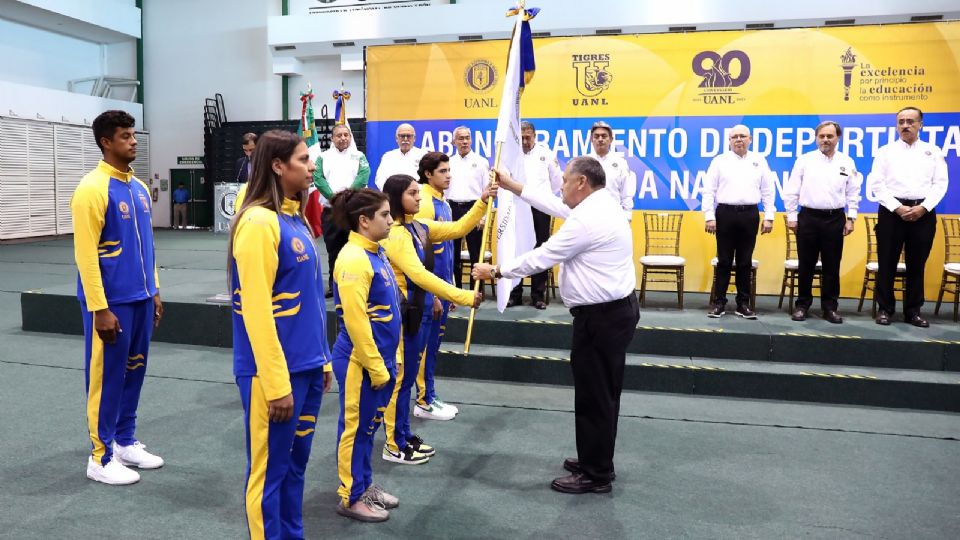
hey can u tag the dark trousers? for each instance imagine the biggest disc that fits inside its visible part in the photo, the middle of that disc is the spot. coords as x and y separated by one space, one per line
601 334
458 210
914 239
819 236
334 238
736 238
538 282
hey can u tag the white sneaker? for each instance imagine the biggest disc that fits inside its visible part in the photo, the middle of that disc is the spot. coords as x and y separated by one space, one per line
446 406
113 473
137 456
432 412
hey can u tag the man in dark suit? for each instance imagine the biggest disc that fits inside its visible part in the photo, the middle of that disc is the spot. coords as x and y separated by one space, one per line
244 168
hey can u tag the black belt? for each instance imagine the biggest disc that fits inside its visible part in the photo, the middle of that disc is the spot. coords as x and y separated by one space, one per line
910 202
738 207
462 203
604 307
824 213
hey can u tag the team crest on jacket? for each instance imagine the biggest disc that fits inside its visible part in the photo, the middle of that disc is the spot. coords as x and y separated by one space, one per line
297 245
124 210
386 276
144 202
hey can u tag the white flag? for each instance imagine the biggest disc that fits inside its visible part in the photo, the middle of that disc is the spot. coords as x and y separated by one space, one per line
514 224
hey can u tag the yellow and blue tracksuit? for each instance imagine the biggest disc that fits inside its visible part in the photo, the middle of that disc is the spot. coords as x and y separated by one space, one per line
406 256
279 348
364 355
434 207
113 248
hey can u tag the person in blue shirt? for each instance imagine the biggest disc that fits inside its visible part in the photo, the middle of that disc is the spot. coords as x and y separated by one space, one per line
180 199
281 357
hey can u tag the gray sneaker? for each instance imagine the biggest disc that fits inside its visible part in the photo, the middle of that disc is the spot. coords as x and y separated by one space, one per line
384 499
366 510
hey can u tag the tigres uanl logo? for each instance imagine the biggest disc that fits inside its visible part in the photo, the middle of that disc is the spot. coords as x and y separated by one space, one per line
480 76
593 77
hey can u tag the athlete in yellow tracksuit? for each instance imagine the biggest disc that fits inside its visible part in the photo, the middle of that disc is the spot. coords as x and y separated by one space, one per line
405 250
280 348
113 248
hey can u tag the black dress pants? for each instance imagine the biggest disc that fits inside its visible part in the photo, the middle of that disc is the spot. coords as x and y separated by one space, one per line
457 211
538 282
914 238
334 238
601 334
736 238
819 236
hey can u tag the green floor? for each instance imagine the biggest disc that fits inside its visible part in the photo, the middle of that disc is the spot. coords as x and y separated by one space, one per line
687 467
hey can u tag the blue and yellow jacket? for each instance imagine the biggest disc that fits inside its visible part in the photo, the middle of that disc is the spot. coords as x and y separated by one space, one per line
433 207
113 239
368 304
406 255
279 320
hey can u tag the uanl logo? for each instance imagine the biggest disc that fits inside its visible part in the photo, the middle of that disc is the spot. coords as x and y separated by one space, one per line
124 210
593 77
848 61
721 74
480 77
300 249
884 82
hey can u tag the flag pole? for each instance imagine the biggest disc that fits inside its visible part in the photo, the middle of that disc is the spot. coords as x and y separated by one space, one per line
488 222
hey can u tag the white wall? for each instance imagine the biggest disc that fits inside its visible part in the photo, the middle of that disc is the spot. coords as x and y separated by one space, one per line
193 50
41 58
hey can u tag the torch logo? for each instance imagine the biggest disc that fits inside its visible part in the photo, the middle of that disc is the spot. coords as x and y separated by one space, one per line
847 61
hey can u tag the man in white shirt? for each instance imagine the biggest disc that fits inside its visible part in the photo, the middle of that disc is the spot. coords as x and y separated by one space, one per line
620 181
543 171
909 178
338 168
597 282
405 159
736 183
826 184
469 174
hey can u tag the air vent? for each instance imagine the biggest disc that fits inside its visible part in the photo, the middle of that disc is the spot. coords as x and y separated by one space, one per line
475 37
405 41
285 47
540 34
682 29
609 32
759 26
926 18
337 44
840 22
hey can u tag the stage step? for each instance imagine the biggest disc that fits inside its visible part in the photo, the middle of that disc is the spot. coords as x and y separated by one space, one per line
873 387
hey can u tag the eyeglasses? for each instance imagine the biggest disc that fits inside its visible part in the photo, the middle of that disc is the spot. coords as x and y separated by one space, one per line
739 136
405 136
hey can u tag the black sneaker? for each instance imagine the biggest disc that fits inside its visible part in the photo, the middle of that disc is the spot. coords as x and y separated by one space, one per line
418 445
407 456
718 311
745 312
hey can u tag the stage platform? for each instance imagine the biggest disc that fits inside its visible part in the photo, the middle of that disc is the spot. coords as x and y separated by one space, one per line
677 351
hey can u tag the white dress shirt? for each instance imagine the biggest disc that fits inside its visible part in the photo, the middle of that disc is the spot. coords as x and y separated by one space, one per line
823 183
903 171
736 180
594 251
618 179
542 168
396 162
340 169
468 176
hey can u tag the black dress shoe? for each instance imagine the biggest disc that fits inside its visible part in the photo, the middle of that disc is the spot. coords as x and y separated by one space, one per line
917 321
578 483
745 312
540 304
831 316
883 318
717 311
573 465
328 294
799 314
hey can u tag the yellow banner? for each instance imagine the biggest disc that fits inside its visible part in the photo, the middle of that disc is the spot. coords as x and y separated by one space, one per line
851 70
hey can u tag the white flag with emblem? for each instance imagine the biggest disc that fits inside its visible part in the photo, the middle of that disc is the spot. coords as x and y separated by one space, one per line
514 222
